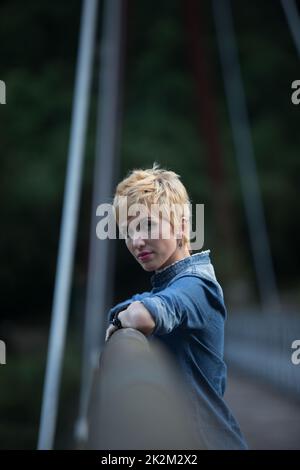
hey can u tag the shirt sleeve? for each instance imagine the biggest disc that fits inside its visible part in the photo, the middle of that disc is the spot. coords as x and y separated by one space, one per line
125 303
188 302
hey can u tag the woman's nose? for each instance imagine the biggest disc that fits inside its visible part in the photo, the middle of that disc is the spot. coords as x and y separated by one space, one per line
138 242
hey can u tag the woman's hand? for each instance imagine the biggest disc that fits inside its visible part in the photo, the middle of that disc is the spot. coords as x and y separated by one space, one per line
125 324
110 330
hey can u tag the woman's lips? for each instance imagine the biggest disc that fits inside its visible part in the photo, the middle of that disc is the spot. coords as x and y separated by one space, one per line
144 257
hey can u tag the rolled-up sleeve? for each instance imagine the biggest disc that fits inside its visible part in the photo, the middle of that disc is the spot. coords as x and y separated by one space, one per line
184 302
125 303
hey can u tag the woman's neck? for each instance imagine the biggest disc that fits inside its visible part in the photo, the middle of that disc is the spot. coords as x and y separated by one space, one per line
181 254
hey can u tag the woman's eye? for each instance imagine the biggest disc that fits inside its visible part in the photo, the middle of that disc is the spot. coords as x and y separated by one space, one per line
152 228
150 225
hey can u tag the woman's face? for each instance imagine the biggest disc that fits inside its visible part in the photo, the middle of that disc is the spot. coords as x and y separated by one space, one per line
152 242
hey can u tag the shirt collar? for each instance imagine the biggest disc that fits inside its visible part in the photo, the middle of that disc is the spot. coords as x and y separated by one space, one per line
166 274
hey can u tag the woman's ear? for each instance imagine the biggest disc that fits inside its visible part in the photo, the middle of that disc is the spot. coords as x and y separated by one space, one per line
183 226
180 233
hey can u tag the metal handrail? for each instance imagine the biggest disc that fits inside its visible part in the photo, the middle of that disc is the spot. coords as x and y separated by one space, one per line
138 398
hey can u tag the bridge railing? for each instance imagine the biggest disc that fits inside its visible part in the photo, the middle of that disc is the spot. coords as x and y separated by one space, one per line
138 400
261 345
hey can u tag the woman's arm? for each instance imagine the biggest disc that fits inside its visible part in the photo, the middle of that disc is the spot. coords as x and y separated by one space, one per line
125 304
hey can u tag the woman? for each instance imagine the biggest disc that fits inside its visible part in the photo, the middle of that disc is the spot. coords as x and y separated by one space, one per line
185 309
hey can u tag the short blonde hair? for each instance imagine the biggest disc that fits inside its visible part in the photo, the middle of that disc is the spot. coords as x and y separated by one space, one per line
156 186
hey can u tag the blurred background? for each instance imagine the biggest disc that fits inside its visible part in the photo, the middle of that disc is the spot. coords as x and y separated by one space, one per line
204 96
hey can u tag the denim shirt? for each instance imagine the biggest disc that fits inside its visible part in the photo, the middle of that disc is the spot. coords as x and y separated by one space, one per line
187 305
